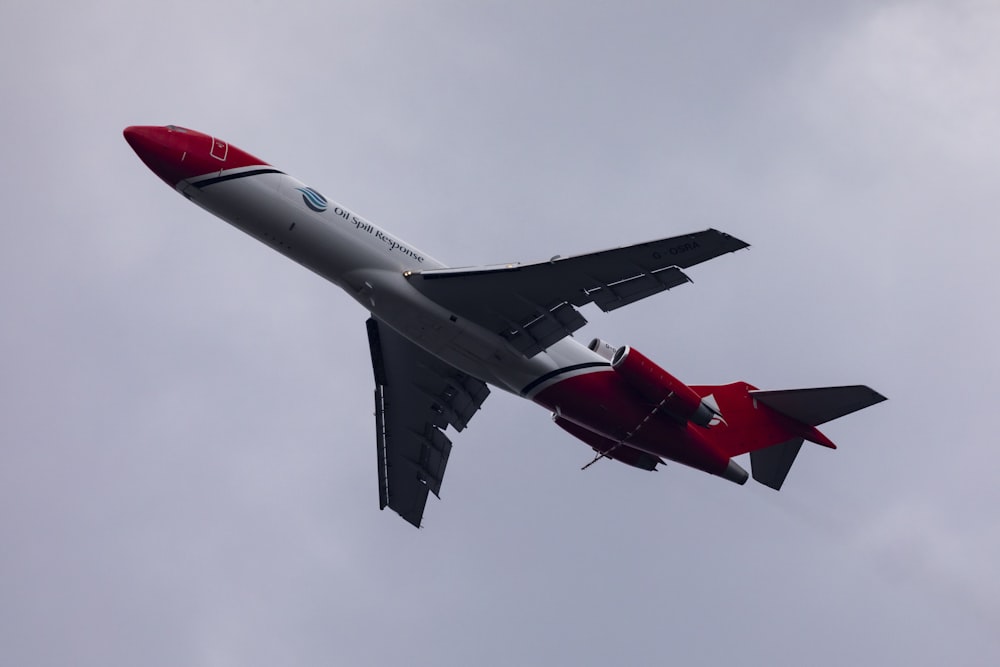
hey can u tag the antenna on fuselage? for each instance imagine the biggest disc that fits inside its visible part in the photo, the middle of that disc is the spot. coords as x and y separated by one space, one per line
601 455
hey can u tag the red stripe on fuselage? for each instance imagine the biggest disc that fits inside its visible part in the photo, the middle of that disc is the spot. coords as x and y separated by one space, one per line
604 403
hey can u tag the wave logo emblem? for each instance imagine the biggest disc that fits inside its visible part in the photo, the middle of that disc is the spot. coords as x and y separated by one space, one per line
313 199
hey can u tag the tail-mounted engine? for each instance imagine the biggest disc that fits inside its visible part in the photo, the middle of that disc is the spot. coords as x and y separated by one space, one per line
602 347
658 385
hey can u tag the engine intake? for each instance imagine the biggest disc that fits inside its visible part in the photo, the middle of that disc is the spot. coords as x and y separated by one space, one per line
658 385
603 348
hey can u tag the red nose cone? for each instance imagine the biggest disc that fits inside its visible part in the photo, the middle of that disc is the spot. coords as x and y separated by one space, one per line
176 154
135 133
162 150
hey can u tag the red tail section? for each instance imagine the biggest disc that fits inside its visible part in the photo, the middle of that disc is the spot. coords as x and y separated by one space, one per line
771 425
639 406
742 424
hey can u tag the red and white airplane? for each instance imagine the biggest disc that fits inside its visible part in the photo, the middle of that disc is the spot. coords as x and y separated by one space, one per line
440 335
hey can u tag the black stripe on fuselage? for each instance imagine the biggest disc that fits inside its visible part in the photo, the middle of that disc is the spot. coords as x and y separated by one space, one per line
559 371
233 177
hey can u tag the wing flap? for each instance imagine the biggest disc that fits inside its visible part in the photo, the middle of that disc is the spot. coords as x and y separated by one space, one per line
383 464
638 287
550 325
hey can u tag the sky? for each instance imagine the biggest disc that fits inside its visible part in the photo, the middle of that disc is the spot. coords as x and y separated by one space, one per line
187 453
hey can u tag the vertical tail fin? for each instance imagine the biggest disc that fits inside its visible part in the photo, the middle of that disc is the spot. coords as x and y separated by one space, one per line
771 425
771 465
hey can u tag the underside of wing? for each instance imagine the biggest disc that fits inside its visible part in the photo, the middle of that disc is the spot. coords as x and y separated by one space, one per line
417 396
534 305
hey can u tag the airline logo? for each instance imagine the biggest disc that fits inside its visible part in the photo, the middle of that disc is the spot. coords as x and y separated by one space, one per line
313 199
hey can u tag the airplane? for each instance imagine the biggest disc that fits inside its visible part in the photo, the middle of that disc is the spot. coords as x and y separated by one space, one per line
440 336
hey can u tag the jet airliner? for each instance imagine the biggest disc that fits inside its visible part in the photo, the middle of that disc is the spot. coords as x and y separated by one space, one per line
440 336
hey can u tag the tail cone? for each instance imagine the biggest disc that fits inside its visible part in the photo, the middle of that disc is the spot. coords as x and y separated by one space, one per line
735 473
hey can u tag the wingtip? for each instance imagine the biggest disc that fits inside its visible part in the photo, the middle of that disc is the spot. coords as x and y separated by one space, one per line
738 244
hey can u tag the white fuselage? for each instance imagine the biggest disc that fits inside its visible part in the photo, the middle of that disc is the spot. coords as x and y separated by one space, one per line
370 265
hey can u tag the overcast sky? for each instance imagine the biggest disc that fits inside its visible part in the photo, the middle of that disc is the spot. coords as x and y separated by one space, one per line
187 454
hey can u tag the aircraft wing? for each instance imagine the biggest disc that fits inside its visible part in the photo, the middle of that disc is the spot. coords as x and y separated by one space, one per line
416 397
534 305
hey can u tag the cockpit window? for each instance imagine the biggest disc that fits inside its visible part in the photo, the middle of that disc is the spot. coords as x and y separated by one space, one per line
174 128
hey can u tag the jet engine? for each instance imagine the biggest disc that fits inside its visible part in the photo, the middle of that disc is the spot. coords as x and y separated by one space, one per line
603 348
658 385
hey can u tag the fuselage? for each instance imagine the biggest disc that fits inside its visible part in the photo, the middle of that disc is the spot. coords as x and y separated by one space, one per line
371 265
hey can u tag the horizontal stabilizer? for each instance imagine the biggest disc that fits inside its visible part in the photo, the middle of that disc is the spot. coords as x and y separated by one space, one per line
818 406
771 464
